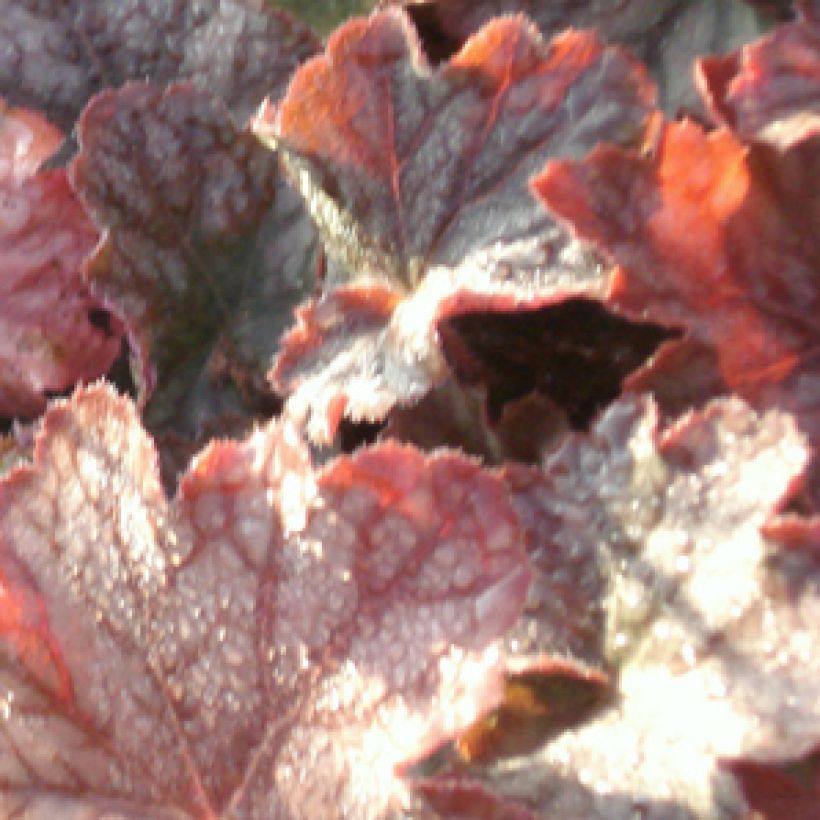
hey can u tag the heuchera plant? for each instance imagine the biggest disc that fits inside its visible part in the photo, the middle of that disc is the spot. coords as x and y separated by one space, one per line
420 424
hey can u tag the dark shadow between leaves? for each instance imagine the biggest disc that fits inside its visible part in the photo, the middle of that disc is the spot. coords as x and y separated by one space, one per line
576 353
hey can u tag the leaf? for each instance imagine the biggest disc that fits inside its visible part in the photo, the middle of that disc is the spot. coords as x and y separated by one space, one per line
458 798
56 56
714 238
769 91
205 253
775 793
709 628
667 37
53 333
416 178
271 643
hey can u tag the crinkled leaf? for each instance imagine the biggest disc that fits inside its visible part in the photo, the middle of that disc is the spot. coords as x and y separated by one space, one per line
416 178
769 91
716 238
272 643
712 628
56 56
53 333
666 36
206 249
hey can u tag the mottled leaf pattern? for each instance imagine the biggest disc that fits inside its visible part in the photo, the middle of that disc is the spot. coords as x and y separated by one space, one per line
416 178
272 643
711 628
56 56
205 252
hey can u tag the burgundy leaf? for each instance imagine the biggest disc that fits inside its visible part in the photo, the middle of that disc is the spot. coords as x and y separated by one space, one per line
712 628
56 56
206 249
416 178
769 91
666 36
271 644
775 793
715 238
459 798
49 334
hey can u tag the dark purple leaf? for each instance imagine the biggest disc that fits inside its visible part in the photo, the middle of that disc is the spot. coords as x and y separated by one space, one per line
416 178
272 643
206 249
56 56
49 336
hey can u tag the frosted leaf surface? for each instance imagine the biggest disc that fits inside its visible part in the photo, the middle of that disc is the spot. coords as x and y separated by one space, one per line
205 253
416 178
56 56
710 629
48 337
272 643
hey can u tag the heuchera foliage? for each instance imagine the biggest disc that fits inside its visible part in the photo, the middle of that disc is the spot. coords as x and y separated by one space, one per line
422 424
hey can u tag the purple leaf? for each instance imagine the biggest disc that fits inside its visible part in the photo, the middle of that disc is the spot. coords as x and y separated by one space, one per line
272 643
667 37
416 178
56 56
717 239
206 250
49 334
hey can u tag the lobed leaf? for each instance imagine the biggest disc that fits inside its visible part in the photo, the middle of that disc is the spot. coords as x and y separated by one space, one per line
667 37
273 642
715 238
416 179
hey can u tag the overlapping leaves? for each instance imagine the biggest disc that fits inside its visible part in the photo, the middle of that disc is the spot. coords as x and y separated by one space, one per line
416 178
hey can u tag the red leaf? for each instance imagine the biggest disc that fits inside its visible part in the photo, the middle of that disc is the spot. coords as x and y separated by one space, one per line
769 91
714 239
272 643
206 250
48 337
416 178
58 55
